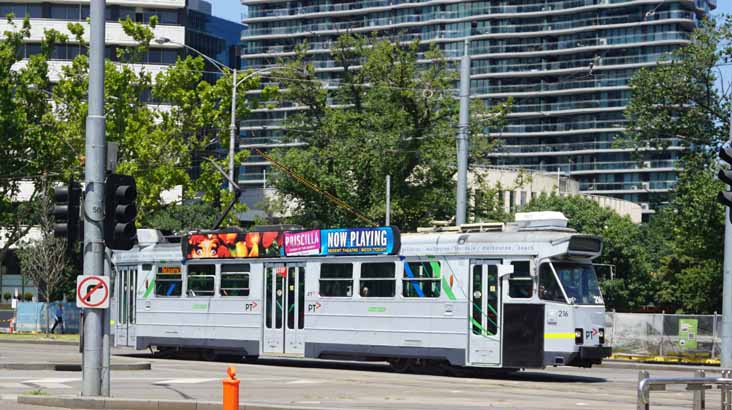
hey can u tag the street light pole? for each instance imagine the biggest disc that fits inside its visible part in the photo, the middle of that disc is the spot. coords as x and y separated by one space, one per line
232 130
235 83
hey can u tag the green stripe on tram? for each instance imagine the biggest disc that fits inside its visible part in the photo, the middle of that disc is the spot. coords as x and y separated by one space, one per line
486 316
480 327
149 289
443 280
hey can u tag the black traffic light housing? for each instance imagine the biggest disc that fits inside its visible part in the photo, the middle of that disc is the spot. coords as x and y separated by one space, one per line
120 212
725 175
67 202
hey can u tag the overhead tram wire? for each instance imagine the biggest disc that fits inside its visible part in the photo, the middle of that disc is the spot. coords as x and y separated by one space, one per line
332 198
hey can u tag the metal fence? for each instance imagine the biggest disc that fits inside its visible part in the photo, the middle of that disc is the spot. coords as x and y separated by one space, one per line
31 317
686 337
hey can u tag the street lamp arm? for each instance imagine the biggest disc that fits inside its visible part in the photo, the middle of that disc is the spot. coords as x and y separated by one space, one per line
218 64
256 72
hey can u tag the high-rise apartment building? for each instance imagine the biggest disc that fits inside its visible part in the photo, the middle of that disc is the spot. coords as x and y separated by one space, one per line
566 63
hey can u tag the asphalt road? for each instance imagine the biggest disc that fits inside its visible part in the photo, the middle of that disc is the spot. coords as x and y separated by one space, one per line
343 385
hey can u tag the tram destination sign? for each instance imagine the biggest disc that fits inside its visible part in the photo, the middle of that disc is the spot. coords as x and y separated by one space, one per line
384 240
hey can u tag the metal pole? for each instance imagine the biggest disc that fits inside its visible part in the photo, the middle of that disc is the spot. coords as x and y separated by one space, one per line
462 140
96 151
388 200
642 402
699 395
105 326
232 130
726 348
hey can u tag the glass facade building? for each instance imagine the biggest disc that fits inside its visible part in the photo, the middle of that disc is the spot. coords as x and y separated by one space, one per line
566 63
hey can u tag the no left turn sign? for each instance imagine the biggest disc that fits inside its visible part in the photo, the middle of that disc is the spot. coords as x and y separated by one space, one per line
92 292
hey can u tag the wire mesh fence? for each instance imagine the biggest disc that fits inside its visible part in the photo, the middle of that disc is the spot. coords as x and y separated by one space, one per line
666 335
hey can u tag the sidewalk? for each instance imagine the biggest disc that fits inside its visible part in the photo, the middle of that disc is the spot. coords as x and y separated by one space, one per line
58 355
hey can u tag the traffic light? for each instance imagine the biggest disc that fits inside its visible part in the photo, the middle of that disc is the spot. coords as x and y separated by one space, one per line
725 154
119 219
67 200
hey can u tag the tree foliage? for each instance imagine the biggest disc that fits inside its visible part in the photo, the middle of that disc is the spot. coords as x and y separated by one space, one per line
390 115
691 229
30 149
44 261
679 98
170 127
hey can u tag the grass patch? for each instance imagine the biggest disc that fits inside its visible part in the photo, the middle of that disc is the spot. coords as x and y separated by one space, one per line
38 336
36 392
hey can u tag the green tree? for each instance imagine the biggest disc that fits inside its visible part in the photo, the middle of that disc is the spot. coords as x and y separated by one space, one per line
692 227
678 99
624 246
30 149
180 219
390 115
686 101
170 141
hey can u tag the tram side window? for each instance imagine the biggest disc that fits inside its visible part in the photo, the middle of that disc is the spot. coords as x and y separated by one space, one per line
548 287
336 279
235 280
201 280
168 284
521 284
377 280
421 280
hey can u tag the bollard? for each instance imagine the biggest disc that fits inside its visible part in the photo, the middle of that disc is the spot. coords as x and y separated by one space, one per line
724 389
643 402
231 390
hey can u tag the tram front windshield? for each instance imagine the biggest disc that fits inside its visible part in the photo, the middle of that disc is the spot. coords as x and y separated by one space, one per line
579 282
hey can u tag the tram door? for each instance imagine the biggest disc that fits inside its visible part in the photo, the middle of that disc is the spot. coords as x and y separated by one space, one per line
124 328
484 344
284 318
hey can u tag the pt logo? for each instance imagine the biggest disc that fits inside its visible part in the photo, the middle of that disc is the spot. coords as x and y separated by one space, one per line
250 307
314 307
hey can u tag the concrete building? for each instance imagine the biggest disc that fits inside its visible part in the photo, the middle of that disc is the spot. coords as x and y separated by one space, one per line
567 63
517 187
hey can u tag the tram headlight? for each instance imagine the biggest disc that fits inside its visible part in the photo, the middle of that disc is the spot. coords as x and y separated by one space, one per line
601 335
579 336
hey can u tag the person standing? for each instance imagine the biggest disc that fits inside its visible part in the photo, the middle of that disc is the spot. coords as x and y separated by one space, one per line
59 313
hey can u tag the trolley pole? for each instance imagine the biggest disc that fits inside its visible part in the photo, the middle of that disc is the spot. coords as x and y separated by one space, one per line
726 350
94 199
462 139
388 200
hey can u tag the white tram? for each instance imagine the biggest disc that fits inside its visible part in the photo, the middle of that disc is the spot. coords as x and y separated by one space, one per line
522 296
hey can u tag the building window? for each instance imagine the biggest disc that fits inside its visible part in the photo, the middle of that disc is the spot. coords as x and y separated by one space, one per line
201 280
421 280
377 280
235 280
336 279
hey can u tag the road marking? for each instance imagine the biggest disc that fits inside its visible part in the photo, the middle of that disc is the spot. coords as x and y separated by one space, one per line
11 397
12 386
183 381
52 383
303 381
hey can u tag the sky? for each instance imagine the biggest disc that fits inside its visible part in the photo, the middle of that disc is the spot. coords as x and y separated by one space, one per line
232 9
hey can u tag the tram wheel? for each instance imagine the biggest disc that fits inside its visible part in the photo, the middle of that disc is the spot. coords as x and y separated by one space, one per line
209 355
400 365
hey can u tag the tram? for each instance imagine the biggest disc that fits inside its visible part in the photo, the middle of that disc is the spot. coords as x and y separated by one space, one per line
510 296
